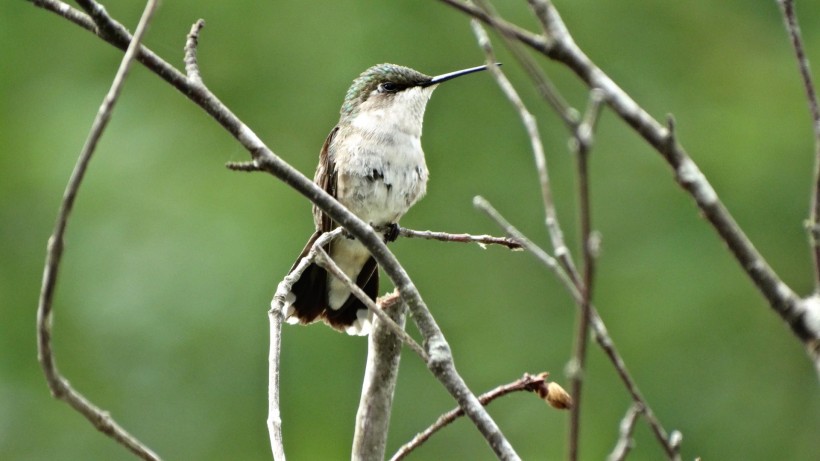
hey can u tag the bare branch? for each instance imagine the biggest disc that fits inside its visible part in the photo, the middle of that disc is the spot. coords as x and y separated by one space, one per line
63 9
284 287
274 422
537 384
582 144
546 89
482 204
482 240
191 64
793 29
511 30
780 296
378 388
59 386
275 318
562 252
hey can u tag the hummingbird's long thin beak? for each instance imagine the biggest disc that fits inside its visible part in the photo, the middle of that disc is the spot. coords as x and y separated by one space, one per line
444 77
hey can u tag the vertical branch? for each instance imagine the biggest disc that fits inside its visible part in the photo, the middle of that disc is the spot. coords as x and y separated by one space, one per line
59 386
793 28
581 144
378 389
277 445
275 318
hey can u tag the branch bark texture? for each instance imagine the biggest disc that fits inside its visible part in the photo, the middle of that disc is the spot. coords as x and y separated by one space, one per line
378 389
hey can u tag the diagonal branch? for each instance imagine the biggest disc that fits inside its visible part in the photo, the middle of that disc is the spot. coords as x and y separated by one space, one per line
328 264
59 386
562 253
582 141
550 392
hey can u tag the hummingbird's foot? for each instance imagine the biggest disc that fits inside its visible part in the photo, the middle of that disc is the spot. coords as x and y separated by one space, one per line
391 233
347 235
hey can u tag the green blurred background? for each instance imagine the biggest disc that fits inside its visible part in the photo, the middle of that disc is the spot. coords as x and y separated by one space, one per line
172 259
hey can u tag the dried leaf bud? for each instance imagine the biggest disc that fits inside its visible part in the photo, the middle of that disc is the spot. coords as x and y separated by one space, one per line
557 397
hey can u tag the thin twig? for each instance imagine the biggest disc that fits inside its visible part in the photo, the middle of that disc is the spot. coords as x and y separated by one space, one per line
191 64
537 384
596 323
274 422
582 144
275 319
59 386
562 253
248 167
546 89
793 29
625 429
482 204
482 240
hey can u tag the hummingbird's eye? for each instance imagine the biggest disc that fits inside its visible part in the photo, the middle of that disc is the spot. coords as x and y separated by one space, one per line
388 87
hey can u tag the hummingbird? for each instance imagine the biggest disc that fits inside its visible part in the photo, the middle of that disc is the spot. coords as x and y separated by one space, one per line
373 164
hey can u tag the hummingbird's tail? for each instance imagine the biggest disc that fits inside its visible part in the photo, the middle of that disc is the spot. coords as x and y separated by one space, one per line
308 299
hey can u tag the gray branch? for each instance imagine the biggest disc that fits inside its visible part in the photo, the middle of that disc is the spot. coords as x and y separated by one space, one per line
378 388
59 386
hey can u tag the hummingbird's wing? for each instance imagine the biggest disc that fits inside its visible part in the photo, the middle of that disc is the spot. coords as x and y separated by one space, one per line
310 291
326 179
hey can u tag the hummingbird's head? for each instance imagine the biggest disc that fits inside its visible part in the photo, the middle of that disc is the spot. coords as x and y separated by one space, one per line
379 85
386 86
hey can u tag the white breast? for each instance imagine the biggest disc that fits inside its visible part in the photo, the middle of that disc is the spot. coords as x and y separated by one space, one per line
379 160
